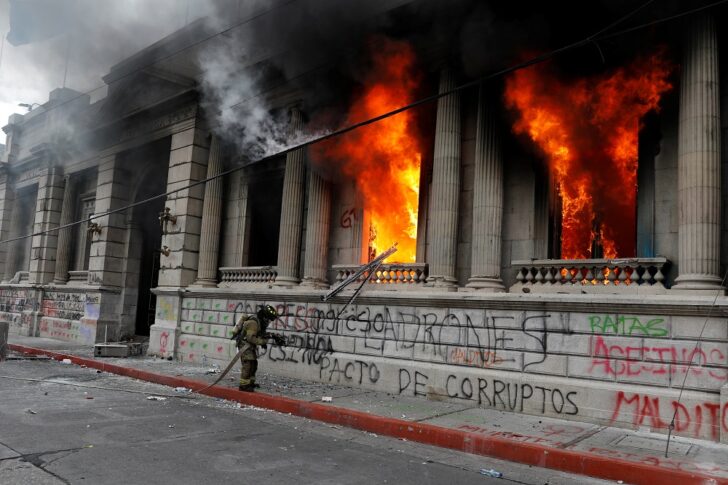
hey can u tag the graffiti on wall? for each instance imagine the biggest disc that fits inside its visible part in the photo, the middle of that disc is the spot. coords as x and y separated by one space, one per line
69 330
68 306
379 347
15 301
695 419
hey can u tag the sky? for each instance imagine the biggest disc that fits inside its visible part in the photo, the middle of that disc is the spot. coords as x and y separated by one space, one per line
103 33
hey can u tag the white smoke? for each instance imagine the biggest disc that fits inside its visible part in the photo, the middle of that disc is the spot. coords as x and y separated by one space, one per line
280 48
233 97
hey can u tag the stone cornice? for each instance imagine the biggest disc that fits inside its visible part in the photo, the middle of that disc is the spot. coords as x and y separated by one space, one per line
700 306
61 288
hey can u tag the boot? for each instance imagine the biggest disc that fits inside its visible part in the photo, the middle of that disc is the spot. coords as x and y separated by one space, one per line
247 388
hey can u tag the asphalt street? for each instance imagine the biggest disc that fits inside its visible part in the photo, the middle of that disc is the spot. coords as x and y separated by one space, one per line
66 424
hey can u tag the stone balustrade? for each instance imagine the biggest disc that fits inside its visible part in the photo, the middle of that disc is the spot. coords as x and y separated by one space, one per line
628 275
257 275
399 275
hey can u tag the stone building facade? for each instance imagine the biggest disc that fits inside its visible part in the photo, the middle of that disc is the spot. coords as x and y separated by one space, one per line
483 316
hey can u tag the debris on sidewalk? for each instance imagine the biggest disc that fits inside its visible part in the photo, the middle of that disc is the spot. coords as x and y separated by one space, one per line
66 361
215 369
326 399
30 411
111 350
156 398
183 390
491 472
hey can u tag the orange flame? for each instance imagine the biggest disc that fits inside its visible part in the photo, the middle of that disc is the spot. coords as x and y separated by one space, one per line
588 131
384 157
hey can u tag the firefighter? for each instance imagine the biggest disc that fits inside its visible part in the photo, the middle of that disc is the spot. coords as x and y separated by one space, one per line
249 332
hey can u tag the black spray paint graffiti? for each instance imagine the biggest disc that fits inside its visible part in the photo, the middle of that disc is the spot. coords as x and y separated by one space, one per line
443 337
494 393
356 372
307 348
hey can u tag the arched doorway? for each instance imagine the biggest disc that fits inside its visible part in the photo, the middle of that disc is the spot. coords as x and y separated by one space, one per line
144 235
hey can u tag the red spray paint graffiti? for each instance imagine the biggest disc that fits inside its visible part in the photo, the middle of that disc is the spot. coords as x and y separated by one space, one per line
619 360
650 411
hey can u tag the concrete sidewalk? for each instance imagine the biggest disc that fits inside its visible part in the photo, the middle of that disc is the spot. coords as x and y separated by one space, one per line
599 451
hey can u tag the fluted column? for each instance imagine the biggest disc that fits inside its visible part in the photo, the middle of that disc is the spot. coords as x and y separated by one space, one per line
211 219
487 202
289 239
16 226
63 254
315 262
445 187
699 159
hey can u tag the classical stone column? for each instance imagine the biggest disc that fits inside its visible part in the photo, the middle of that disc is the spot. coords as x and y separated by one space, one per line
445 187
289 240
16 226
699 160
315 262
63 254
7 195
487 202
211 218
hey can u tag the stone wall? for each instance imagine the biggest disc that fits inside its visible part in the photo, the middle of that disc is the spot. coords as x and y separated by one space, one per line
16 308
621 369
65 315
68 314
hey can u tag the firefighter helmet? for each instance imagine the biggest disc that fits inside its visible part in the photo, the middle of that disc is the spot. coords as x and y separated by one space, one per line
267 313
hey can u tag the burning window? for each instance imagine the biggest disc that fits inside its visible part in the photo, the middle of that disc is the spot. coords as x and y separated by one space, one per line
384 157
588 133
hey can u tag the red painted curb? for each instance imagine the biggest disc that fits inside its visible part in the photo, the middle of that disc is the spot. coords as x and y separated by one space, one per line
531 454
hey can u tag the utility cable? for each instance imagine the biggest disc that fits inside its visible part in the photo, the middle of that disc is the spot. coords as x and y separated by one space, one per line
346 129
692 358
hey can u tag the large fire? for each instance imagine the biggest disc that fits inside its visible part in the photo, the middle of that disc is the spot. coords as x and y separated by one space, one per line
588 131
384 157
